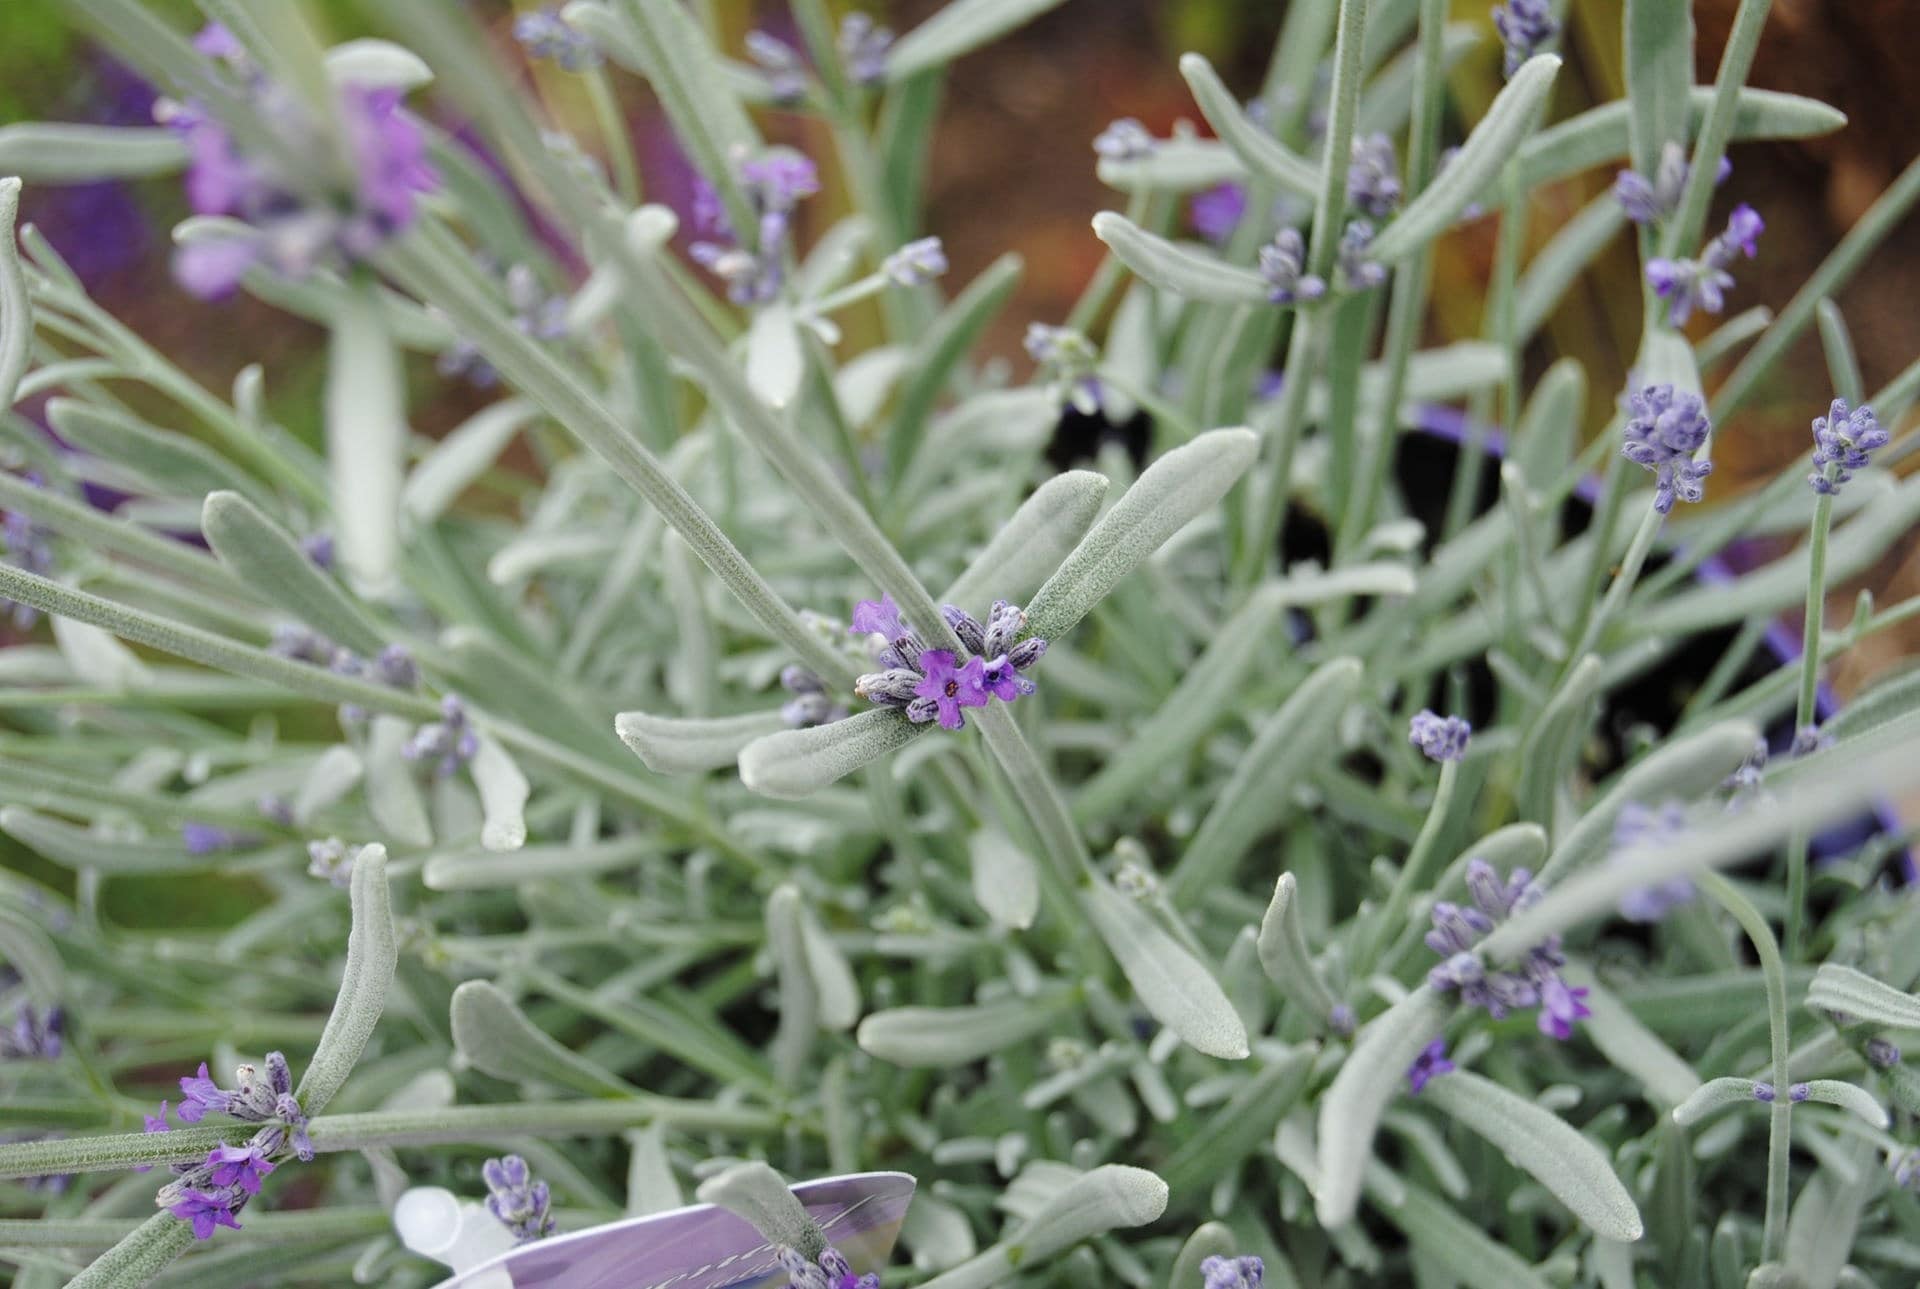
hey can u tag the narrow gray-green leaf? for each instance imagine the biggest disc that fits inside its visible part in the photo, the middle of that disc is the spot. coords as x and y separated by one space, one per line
1848 1096
1487 149
1456 1245
1837 988
1558 1156
1108 1198
1284 955
799 1002
1710 1096
959 28
1175 988
377 64
58 152
1033 541
795 763
834 986
754 1192
1257 149
503 793
1176 165
1659 58
1599 135
496 1038
1174 490
1006 884
775 361
26 949
271 564
176 464
366 422
16 313
1633 1048
77 848
372 954
393 795
1194 275
1350 1108
692 745
144 1253
468 451
932 1037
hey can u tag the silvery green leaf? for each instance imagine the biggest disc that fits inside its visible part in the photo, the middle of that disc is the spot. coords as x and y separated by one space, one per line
1772 589
1350 1108
393 795
1006 885
322 296
1487 150
755 1192
1174 490
1208 689
1568 254
25 948
1885 701
503 796
467 451
799 1002
932 1037
98 659
378 64
1173 986
540 551
938 354
833 259
1209 1240
269 562
651 1185
1559 1157
1192 274
372 954
485 870
1659 66
837 993
1290 742
775 361
1599 136
692 745
1181 164
334 774
959 28
1682 768
1388 99
1320 587
173 463
1033 541
366 419
1855 994
16 312
454 809
1108 1198
794 763
863 384
495 1037
938 1234
58 152
1457 1246
1848 1096
1632 1047
1826 1216
142 1254
1262 154
1543 443
78 848
1284 955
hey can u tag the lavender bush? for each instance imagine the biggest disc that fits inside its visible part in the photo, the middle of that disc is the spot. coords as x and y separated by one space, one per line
793 770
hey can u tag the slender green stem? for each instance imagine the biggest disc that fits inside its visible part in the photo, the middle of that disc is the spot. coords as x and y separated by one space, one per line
1716 129
612 123
1413 874
1263 528
1779 1135
1620 588
1805 712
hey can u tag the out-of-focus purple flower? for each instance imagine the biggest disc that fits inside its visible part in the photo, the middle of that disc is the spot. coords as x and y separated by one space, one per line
1439 738
153 1123
1799 1092
1429 1065
29 550
1560 1007
1357 272
332 860
1665 427
1531 980
811 704
1906 1169
1636 826
830 1271
216 41
1702 284
211 839
947 687
774 183
35 1035
1246 1272
449 743
318 547
864 48
241 1166
543 33
1648 201
1215 212
1881 1054
1764 1093
200 1094
1373 178
521 1204
1843 441
780 65
1125 140
1070 363
205 1209
916 263
1283 264
1524 26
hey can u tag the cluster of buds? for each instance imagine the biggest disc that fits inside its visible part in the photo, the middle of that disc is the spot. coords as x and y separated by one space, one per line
1533 981
811 704
211 1193
830 1270
1665 427
1843 441
1687 285
932 684
449 743
775 182
521 1204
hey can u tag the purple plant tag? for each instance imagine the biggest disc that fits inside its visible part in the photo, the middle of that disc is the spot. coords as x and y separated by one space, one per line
703 1247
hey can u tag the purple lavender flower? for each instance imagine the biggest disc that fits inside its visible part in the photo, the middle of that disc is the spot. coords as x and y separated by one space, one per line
28 549
1843 441
153 1123
520 1203
1429 1065
1217 211
1125 140
779 65
241 1166
1807 740
1439 738
1069 361
1357 272
1665 427
211 839
864 48
1799 1092
1283 264
543 33
204 1210
775 182
1702 284
1764 1093
332 861
1373 179
35 1035
1881 1054
831 1271
1524 26
879 617
1648 201
1906 1170
947 687
254 1100
201 1094
917 263
1532 980
1637 825
1246 1272
811 704
449 742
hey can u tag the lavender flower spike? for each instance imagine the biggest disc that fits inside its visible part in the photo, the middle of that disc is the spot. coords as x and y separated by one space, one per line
521 1204
1125 140
1246 1272
948 686
1702 284
1843 441
1373 181
1429 1065
1357 272
543 33
780 64
1531 980
1648 201
1637 825
1283 264
204 1210
1439 738
916 263
830 1271
1525 26
1665 427
864 48
34 1035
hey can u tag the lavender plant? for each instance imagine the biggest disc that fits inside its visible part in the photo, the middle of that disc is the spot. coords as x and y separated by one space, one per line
1201 914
